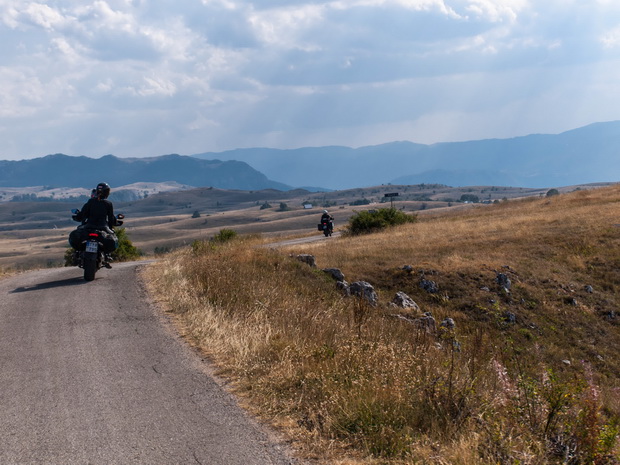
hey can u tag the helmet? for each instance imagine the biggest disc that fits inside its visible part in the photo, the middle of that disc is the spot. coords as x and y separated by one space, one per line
325 211
103 190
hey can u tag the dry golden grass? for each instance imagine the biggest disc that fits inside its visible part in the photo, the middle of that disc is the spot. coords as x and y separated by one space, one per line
529 377
4 272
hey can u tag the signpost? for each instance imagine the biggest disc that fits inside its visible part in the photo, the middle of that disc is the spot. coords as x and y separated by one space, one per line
391 196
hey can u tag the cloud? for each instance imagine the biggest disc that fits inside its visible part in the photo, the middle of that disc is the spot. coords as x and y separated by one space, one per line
497 10
135 77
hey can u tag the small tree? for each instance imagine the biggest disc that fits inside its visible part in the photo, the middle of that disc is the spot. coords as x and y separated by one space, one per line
125 251
283 207
265 206
363 201
552 192
196 214
470 198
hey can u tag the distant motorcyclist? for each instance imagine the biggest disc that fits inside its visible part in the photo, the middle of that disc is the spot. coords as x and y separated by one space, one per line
98 214
327 223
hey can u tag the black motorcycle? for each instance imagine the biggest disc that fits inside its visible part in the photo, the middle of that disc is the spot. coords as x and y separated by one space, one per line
327 226
92 257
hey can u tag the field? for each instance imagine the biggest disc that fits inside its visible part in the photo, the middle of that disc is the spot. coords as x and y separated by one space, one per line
518 372
481 372
34 234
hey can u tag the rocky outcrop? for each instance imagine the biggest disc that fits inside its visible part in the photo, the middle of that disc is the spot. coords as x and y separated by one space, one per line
335 273
364 290
307 259
402 300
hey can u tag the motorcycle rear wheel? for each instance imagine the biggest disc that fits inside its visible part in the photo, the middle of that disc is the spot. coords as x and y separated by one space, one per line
90 268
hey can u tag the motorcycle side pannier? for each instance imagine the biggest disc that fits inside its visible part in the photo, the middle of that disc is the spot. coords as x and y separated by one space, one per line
320 226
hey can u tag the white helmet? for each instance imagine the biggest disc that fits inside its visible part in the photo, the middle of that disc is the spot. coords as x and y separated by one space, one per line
325 211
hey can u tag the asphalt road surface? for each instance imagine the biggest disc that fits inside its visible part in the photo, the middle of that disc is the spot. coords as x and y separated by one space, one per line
90 373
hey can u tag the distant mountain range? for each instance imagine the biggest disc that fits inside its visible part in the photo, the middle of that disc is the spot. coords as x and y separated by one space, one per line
585 155
66 171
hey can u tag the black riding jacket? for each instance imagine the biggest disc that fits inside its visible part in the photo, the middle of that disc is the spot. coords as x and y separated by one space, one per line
97 213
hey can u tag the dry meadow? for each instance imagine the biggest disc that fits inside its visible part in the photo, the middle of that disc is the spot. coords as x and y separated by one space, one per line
528 373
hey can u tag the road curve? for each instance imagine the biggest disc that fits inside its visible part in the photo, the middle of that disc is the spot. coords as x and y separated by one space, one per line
302 240
92 374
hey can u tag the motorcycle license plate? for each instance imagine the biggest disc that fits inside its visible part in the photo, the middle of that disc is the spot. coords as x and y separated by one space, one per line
91 246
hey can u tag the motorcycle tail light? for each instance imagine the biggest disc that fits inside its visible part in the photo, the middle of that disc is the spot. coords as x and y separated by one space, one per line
93 235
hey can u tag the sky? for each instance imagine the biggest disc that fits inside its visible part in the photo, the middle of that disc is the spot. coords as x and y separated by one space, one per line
139 78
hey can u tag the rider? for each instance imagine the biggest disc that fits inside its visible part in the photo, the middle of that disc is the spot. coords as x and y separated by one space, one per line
97 213
326 216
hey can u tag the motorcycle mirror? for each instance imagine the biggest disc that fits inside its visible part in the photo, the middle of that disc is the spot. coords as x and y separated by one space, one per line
120 216
75 211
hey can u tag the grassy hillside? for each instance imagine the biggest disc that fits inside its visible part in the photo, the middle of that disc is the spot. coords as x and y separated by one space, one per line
528 374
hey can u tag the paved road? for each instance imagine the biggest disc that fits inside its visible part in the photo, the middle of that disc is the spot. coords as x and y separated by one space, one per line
91 374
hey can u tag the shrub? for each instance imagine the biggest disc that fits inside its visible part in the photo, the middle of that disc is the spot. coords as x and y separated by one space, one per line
552 192
161 250
125 251
470 198
225 235
265 206
375 220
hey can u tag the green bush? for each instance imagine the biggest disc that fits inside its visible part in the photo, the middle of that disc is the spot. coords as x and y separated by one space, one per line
69 256
125 251
375 220
225 235
470 198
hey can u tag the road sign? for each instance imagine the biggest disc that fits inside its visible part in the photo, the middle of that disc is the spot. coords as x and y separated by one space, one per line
391 195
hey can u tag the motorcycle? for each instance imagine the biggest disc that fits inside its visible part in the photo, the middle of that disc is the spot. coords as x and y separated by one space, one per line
327 226
92 256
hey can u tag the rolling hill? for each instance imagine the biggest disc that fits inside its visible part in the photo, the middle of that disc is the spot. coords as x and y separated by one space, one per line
65 171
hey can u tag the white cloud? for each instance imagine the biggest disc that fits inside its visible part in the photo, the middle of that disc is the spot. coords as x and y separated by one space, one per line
611 38
154 86
104 76
43 15
20 93
497 10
